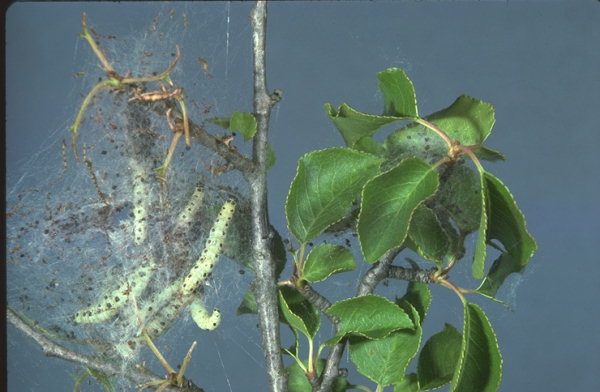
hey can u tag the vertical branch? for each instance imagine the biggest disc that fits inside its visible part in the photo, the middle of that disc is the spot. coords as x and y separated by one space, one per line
264 289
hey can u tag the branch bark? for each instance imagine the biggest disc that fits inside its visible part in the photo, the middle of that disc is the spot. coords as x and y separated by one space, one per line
265 289
52 349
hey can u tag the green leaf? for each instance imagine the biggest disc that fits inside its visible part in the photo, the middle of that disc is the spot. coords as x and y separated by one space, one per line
325 260
385 360
270 156
370 316
408 384
297 381
439 358
480 364
326 184
278 252
460 197
223 122
418 295
414 140
468 120
478 267
369 145
507 225
427 236
354 125
502 220
488 154
298 312
388 202
245 123
248 304
399 97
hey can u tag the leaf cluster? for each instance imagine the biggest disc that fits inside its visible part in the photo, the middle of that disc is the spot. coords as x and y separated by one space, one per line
423 188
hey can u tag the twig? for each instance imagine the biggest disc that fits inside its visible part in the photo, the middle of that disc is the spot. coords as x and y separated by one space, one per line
52 349
265 288
234 158
411 274
317 300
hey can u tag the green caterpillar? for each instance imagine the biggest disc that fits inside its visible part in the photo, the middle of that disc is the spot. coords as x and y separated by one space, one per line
164 307
200 315
112 302
186 216
140 204
212 248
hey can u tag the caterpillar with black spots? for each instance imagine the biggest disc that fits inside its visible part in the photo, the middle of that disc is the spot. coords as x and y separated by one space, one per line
212 249
112 302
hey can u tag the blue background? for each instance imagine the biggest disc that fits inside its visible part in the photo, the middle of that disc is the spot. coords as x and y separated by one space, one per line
538 63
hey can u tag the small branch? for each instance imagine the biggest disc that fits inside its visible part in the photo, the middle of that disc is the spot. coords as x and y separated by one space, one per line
86 34
264 265
52 349
233 158
411 274
318 301
376 274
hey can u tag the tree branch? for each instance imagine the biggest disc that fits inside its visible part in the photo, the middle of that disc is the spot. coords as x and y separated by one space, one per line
318 301
52 349
411 274
265 288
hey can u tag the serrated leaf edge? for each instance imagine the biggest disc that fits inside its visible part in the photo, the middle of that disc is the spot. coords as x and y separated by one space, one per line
296 176
461 360
411 214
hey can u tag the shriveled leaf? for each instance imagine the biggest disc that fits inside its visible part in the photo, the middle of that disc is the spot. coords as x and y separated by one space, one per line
298 312
326 184
399 97
325 260
439 358
480 363
354 125
370 316
385 360
388 202
427 236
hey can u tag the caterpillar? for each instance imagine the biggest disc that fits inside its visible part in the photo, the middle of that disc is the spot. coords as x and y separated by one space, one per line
212 248
149 308
167 315
157 324
202 318
186 216
112 302
140 204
